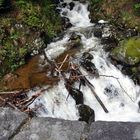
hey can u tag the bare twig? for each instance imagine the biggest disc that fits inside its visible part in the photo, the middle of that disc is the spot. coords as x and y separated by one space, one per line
11 92
120 85
7 102
63 61
109 76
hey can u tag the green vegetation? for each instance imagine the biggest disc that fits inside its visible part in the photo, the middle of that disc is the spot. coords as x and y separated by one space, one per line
137 8
129 51
127 15
21 27
95 4
40 14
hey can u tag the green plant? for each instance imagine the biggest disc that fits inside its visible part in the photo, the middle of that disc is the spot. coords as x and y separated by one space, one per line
137 8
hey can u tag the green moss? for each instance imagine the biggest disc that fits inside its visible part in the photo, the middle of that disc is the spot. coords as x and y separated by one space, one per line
136 8
41 15
129 51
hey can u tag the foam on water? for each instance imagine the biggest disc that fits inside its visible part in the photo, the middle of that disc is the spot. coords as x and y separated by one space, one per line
119 96
78 16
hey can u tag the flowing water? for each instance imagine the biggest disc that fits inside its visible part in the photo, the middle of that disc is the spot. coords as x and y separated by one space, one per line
119 96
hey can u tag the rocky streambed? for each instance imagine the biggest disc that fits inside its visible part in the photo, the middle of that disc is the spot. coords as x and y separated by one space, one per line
84 74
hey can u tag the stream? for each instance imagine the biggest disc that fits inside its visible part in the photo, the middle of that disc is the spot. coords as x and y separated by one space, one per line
118 92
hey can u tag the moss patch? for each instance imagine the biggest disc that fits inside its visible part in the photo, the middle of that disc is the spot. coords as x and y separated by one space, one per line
129 51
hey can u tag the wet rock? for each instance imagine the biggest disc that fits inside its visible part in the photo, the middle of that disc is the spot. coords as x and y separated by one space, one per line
87 55
51 129
139 104
131 33
45 37
71 4
114 131
64 4
10 121
98 32
75 41
74 36
66 23
135 75
88 65
109 43
127 70
77 95
111 92
86 113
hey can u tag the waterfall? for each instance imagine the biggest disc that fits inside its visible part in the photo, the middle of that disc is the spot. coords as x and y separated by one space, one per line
117 91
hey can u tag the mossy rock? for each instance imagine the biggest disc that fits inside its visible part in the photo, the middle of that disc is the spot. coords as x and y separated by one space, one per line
129 52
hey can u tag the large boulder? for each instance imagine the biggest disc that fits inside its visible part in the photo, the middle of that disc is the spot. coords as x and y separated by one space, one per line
10 122
114 131
51 129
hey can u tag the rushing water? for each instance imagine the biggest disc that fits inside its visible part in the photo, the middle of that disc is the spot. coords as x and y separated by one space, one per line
119 96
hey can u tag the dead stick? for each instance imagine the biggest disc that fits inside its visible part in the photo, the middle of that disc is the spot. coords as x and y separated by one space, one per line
63 62
11 92
96 96
109 76
120 85
10 104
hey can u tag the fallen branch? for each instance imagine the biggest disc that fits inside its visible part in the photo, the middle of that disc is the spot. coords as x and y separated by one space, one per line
11 92
109 76
28 102
8 103
96 96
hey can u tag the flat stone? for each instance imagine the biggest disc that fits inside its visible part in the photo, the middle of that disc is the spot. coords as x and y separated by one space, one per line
114 131
10 121
51 129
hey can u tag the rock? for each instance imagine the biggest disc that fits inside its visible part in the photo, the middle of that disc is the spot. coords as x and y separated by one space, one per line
98 32
71 4
114 131
10 121
45 37
89 66
109 43
86 113
131 33
75 41
64 4
74 36
139 104
77 95
66 22
128 52
111 92
87 55
51 129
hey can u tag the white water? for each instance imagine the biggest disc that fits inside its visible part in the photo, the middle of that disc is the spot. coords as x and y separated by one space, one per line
120 106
